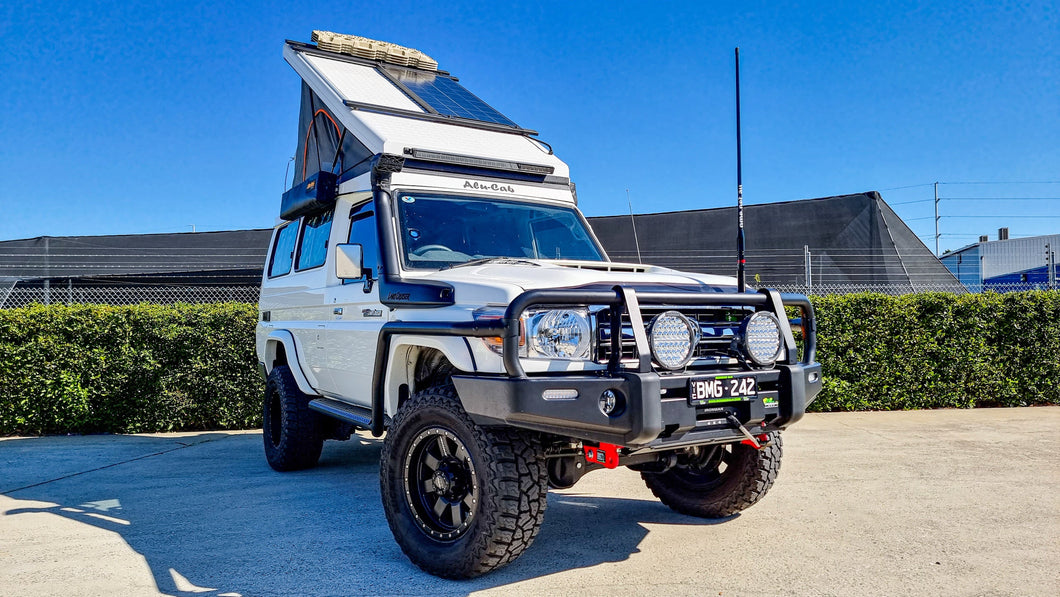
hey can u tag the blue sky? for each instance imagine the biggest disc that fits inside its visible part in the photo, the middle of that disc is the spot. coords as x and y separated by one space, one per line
123 117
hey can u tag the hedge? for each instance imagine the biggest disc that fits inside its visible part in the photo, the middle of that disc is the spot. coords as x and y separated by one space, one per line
148 368
938 350
134 369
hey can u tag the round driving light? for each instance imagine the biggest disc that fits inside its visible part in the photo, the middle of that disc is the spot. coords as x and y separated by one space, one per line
760 338
673 339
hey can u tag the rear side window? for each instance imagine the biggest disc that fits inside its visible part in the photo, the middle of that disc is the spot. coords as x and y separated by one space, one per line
314 246
283 250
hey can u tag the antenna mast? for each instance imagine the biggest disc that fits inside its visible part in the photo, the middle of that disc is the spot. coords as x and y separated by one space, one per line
633 221
741 283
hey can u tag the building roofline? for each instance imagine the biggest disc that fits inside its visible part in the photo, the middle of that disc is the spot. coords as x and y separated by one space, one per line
771 203
138 235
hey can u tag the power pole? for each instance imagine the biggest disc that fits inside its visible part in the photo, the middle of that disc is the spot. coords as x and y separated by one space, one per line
936 219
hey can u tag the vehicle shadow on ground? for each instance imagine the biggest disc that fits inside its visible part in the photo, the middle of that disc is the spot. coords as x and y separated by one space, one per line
214 519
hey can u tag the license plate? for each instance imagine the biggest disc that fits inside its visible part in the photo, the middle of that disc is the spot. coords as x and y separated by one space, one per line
722 389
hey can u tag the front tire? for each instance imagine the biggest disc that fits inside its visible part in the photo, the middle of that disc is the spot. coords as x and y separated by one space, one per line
291 431
718 481
461 499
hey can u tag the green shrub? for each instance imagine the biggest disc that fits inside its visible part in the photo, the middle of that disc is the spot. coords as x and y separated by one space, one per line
143 368
148 368
938 350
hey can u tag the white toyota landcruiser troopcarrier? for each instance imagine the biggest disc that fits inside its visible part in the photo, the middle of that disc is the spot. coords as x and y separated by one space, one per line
431 277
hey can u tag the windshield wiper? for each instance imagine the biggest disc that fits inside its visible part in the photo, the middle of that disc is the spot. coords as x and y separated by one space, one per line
490 260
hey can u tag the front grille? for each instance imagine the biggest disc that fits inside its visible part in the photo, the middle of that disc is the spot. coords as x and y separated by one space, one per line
718 326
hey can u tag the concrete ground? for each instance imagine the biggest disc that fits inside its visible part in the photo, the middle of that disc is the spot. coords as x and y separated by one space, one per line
923 503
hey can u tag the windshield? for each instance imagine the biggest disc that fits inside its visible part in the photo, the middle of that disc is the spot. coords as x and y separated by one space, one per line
439 231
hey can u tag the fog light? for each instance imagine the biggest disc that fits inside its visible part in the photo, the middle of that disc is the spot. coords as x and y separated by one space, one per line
759 338
611 403
673 339
561 394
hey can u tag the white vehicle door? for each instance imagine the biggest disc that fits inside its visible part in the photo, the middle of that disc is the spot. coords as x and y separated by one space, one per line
356 313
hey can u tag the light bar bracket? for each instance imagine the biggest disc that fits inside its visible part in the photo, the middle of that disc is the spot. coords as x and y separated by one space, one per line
477 162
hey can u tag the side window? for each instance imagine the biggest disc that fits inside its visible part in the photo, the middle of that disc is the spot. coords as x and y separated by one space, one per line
363 232
313 249
283 250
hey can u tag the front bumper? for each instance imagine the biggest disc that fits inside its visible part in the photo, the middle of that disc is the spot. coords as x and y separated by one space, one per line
654 409
655 414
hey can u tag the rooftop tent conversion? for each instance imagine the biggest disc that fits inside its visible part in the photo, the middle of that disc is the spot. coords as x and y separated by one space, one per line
431 277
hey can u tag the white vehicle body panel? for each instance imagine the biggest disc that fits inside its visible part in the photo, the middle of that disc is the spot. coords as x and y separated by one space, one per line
480 187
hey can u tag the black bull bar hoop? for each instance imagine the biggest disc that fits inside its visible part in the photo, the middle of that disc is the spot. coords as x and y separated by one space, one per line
508 328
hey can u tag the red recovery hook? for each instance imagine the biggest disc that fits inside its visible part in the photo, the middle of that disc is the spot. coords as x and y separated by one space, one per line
758 444
604 454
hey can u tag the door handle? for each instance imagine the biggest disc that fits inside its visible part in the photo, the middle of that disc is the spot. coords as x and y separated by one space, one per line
337 311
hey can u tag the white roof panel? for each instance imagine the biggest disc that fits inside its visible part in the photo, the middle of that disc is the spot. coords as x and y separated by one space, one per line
362 84
397 133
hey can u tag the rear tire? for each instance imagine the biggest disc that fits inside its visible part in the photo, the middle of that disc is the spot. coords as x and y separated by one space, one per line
718 481
461 499
291 431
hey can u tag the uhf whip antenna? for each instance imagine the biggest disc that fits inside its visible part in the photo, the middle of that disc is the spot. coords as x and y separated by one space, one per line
633 221
741 282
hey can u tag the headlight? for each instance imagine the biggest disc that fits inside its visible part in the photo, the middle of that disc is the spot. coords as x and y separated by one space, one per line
673 338
559 334
759 338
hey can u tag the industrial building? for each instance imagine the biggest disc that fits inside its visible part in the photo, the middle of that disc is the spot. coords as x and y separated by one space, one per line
1006 264
192 267
846 243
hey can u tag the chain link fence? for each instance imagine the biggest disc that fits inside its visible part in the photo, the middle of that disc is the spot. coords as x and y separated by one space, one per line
897 289
13 296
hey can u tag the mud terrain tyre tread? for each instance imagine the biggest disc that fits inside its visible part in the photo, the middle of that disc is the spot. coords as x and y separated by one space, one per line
513 487
755 471
300 440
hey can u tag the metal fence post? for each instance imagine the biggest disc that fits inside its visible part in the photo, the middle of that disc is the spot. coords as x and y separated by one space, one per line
807 259
1050 265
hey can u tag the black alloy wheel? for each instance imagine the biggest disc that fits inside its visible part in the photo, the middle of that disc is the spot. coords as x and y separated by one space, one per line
441 486
460 498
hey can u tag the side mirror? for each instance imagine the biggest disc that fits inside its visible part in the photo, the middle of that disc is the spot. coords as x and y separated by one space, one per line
349 262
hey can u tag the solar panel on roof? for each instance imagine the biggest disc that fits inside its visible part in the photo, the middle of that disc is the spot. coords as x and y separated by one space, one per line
448 97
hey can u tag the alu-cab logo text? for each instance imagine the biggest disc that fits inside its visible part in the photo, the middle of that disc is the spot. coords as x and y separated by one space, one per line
488 186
